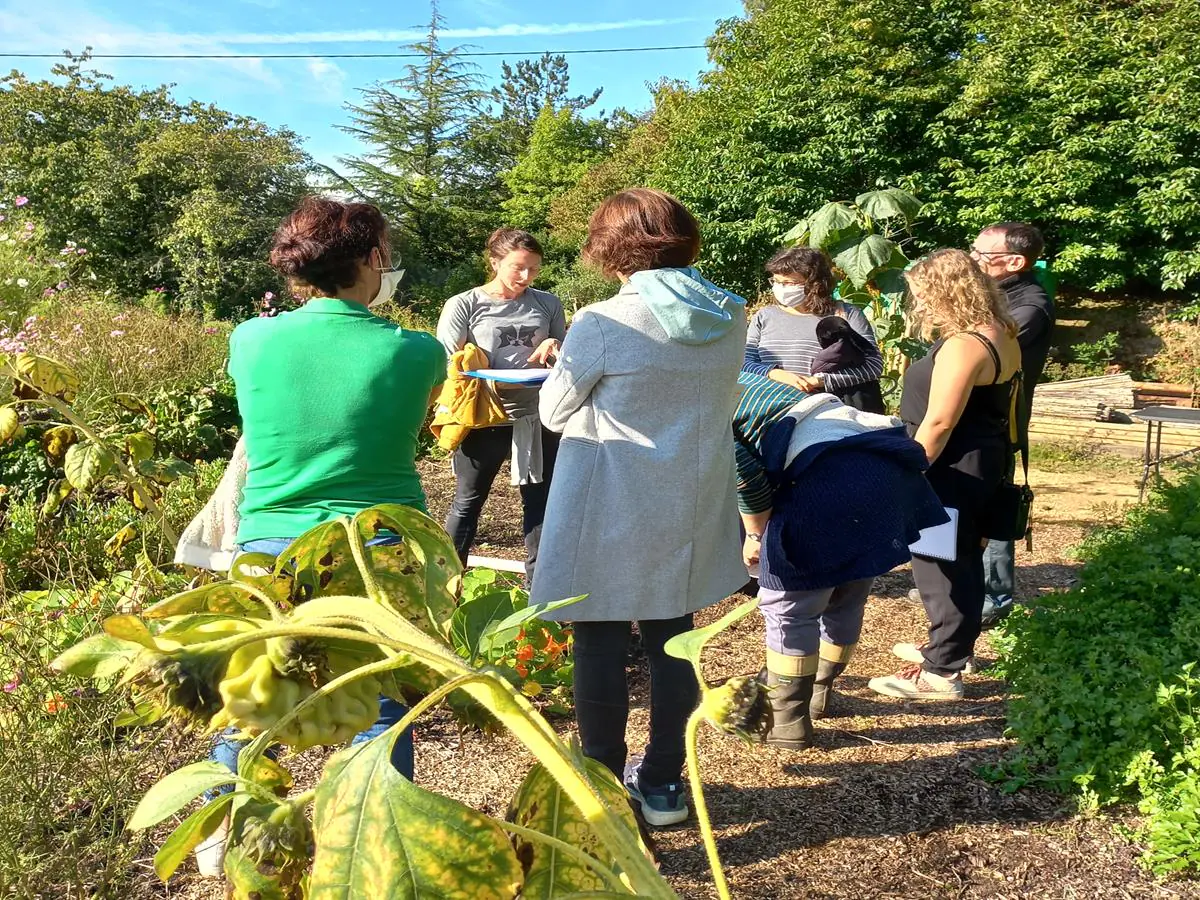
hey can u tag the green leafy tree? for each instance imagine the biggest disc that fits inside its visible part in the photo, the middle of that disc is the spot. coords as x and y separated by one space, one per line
1084 118
806 100
161 194
561 149
524 91
427 166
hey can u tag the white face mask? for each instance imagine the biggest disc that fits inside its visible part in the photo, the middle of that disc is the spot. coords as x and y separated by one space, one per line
789 295
388 283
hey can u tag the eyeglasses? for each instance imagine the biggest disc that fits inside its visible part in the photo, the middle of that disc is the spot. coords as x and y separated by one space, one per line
990 253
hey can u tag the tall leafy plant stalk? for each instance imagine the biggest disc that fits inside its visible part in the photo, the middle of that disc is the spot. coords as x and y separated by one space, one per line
86 453
866 241
296 651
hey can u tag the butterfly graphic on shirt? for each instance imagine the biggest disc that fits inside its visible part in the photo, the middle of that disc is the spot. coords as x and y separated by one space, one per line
516 335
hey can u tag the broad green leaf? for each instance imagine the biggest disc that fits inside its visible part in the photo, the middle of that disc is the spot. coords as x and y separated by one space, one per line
833 221
379 835
507 629
222 597
98 656
864 259
889 203
192 831
267 773
473 619
165 471
891 281
177 790
56 495
541 804
48 376
140 446
476 582
86 464
10 423
690 644
796 233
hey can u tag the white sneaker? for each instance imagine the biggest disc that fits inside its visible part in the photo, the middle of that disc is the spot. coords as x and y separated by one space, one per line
914 683
913 653
210 853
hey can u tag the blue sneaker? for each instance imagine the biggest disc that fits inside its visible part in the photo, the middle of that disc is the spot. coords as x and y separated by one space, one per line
661 806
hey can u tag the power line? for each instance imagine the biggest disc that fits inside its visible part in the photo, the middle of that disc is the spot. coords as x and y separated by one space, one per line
4 55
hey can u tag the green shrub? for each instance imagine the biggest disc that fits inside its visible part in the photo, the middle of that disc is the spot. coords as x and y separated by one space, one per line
73 547
1103 675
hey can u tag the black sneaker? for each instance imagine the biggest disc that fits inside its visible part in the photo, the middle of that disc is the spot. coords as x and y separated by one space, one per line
661 805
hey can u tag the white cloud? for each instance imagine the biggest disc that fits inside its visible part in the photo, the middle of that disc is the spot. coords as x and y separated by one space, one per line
330 79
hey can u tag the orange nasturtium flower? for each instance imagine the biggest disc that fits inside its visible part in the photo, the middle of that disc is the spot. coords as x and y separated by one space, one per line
56 704
554 649
525 654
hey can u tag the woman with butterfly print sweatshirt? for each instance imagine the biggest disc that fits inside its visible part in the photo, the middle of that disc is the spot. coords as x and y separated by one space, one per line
518 327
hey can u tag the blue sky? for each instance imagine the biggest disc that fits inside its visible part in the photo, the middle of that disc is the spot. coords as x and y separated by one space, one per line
308 95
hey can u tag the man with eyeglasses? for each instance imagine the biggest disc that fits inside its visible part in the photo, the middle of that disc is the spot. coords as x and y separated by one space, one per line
1008 251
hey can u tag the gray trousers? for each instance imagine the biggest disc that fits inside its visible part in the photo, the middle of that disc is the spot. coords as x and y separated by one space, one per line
799 622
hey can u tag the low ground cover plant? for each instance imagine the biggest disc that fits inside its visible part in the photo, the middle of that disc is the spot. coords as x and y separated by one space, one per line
1106 693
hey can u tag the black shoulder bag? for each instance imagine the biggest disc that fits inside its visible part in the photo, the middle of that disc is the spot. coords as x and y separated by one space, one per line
1008 518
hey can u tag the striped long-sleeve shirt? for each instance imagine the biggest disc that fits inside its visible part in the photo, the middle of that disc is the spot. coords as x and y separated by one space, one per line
779 338
763 403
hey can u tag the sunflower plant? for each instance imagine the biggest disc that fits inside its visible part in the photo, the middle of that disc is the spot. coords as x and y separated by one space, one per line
296 651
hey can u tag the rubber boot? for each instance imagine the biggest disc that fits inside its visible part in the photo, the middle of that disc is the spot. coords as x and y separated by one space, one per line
790 695
827 671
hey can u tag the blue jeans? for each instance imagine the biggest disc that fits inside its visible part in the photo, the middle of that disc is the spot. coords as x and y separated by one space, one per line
226 748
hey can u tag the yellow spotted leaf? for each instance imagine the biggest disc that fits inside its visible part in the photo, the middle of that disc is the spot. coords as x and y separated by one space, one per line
10 424
541 804
48 376
85 465
379 835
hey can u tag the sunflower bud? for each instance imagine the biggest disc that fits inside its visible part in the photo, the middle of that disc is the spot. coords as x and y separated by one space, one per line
740 707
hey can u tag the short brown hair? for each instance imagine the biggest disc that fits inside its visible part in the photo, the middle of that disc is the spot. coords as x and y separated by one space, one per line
641 229
815 269
504 241
322 242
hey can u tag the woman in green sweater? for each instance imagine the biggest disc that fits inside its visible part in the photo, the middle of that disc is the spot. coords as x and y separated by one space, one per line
332 398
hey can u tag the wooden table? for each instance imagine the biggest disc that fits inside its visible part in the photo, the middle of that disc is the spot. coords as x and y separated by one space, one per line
1155 417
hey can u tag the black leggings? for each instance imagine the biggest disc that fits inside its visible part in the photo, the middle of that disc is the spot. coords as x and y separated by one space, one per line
602 696
477 461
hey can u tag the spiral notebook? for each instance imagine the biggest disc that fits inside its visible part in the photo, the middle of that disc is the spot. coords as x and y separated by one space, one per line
940 541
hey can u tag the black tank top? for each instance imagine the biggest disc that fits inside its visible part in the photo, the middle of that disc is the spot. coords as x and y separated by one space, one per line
984 419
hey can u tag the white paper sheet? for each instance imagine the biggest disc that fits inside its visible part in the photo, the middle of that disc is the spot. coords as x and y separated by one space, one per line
940 541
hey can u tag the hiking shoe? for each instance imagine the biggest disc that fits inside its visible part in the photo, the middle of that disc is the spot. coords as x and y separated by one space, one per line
914 683
995 609
210 853
661 805
913 653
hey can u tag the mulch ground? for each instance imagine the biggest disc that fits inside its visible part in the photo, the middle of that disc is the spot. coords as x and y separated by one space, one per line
891 804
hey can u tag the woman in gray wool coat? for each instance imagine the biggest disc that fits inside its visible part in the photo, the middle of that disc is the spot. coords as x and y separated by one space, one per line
642 515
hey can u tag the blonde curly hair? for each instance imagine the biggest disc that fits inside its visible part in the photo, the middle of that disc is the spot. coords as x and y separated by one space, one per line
949 293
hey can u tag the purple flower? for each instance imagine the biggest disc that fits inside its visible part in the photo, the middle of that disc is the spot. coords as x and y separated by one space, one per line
48 292
61 286
116 332
268 296
14 684
210 330
20 201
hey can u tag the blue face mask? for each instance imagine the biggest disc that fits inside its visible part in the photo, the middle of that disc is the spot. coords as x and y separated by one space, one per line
789 295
